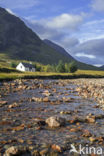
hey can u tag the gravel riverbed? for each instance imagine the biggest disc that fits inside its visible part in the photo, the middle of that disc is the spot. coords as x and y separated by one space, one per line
48 117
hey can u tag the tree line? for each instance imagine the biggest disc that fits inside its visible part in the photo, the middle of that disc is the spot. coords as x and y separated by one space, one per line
59 68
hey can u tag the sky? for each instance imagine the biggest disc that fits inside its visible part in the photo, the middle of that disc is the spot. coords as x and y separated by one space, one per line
76 25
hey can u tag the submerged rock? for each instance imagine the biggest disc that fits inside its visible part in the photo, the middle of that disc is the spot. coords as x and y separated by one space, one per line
55 121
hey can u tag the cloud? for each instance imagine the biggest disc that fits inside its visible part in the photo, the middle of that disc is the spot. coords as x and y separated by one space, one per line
91 51
94 47
10 11
98 5
60 37
43 31
91 30
82 40
20 4
85 55
58 28
65 21
69 42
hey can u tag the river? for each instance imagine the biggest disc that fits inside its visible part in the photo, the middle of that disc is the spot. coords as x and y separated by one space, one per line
22 119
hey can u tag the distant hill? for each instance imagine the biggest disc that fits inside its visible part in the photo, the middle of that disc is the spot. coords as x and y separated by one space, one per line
102 67
18 42
63 51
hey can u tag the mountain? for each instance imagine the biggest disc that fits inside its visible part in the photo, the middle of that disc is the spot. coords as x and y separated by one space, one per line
18 42
63 51
102 67
58 48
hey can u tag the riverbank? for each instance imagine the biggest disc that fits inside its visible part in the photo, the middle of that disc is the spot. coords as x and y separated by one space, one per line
45 75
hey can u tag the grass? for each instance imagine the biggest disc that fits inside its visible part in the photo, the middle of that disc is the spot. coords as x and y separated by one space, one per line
78 74
10 73
90 72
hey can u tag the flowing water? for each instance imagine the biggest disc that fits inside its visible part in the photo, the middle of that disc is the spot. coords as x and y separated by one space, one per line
29 112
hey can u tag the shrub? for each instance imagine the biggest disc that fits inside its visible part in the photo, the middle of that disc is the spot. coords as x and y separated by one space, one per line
67 67
37 67
13 65
73 67
60 67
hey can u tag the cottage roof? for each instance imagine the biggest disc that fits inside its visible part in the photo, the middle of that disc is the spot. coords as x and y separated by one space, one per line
27 65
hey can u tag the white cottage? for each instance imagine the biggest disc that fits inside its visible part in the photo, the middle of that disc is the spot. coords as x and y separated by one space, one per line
25 67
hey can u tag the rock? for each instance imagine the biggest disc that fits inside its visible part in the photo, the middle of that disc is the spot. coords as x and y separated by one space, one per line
65 112
92 139
77 120
44 152
46 93
38 128
31 148
19 128
29 142
90 119
100 139
67 99
13 105
73 130
3 142
20 140
56 148
36 153
86 133
55 121
36 99
2 103
17 150
46 99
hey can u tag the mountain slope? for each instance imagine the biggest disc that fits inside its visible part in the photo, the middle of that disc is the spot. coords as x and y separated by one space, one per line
58 48
17 41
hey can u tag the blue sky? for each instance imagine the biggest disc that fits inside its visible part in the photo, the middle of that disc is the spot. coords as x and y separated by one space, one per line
77 25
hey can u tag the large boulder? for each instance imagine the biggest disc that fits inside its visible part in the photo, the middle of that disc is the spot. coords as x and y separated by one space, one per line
55 121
